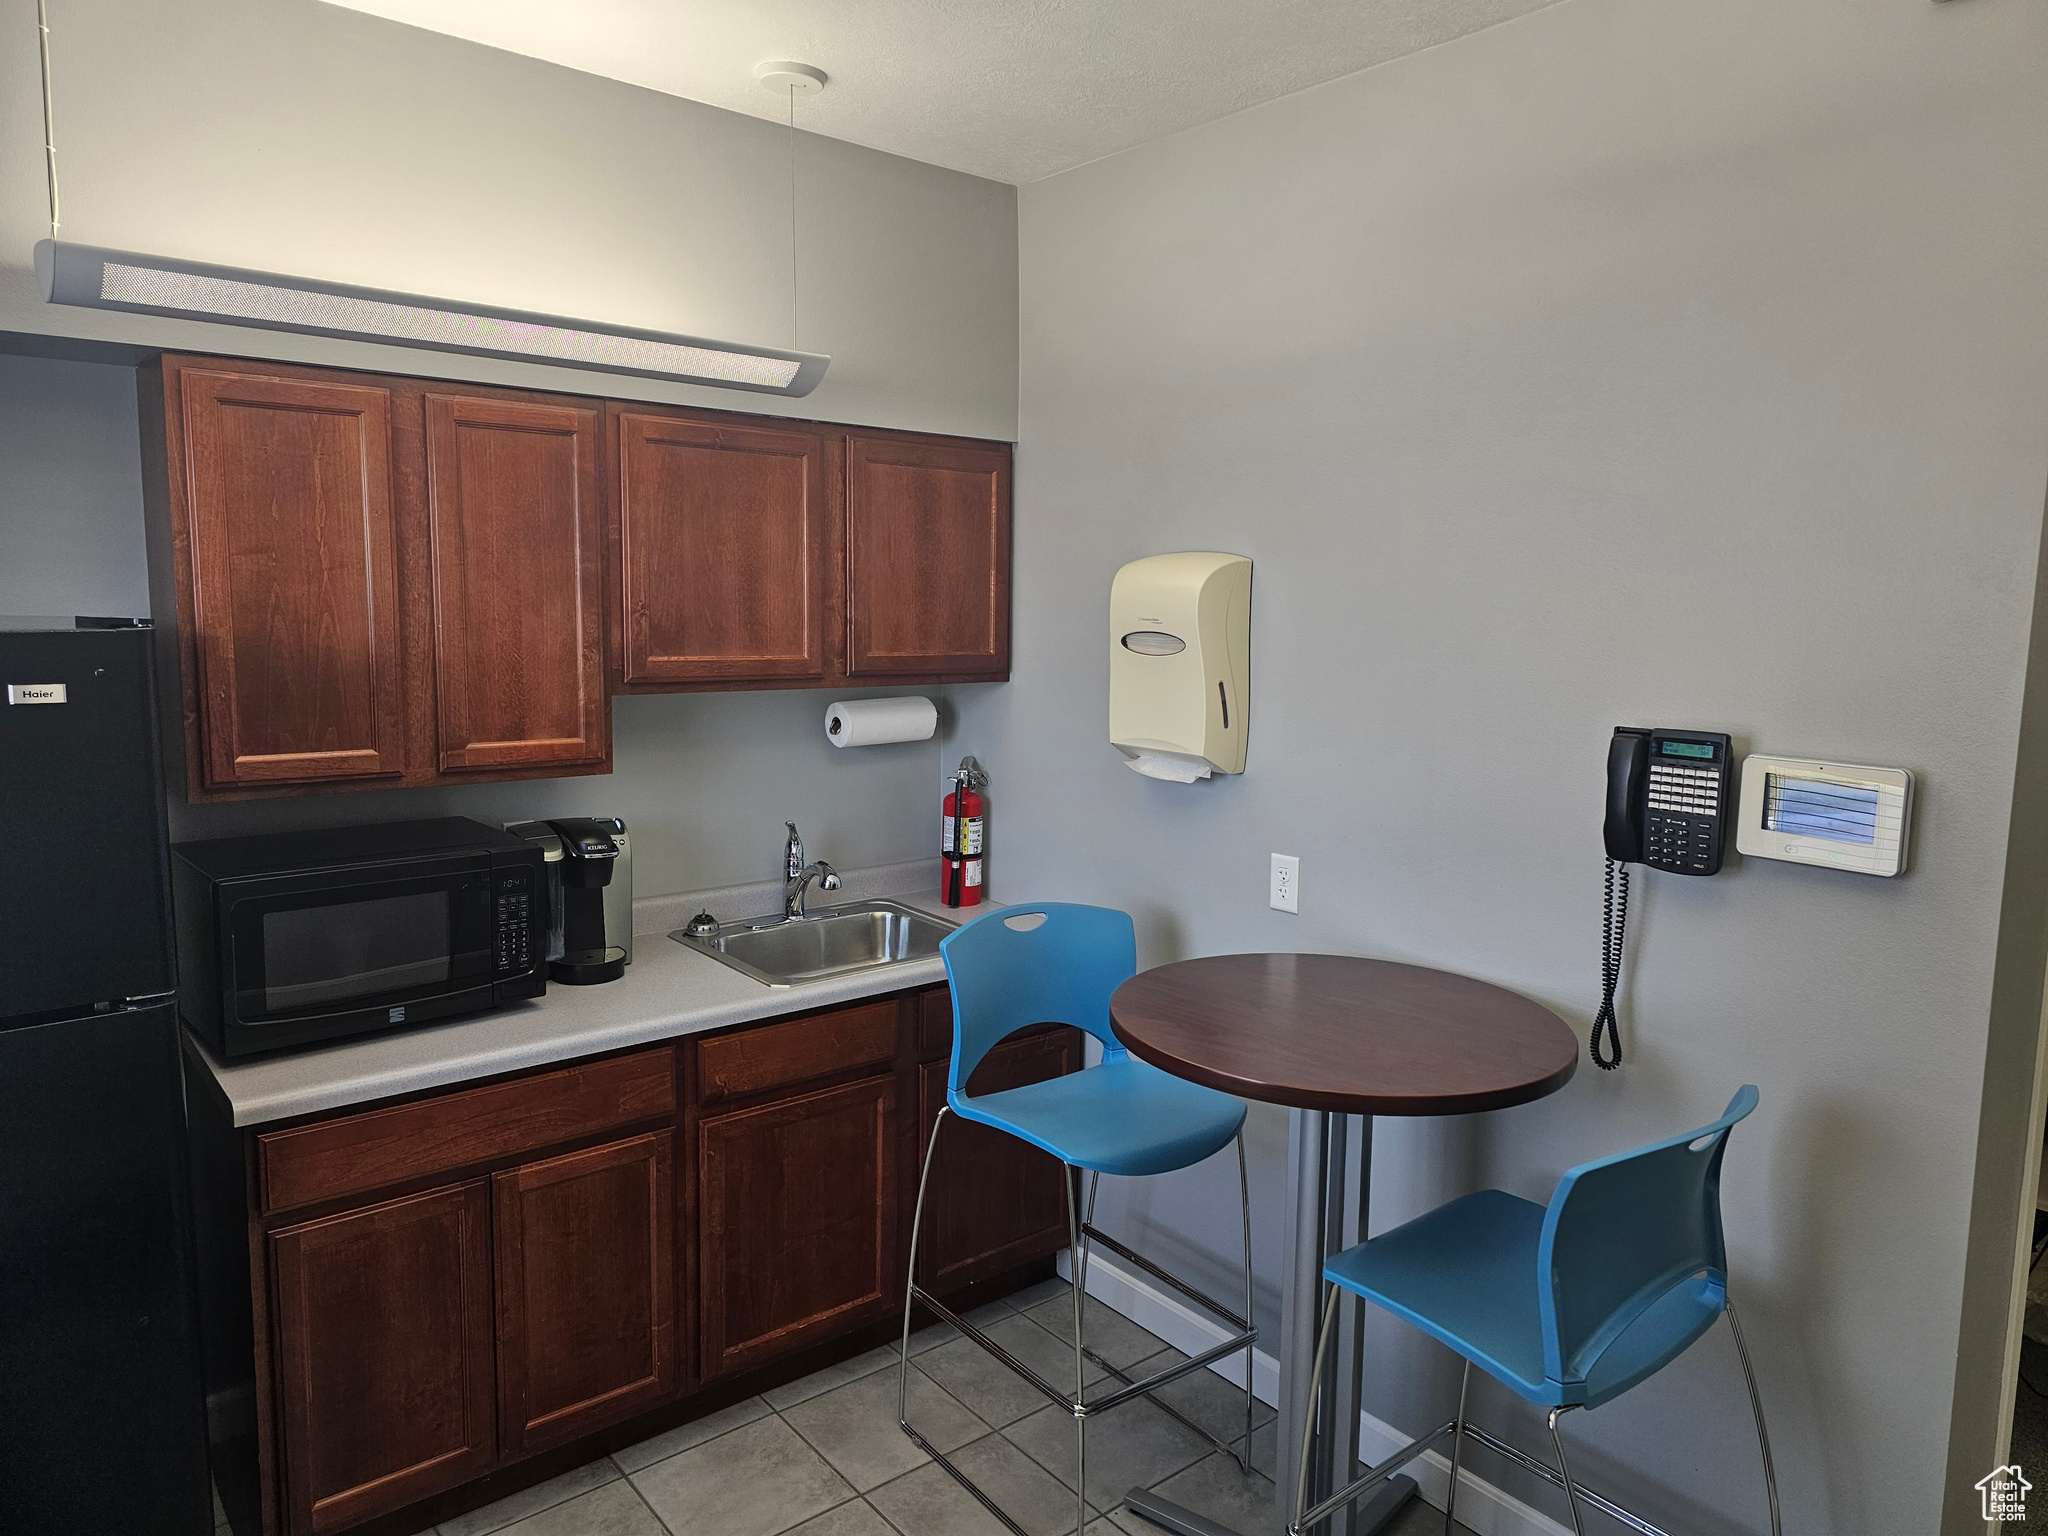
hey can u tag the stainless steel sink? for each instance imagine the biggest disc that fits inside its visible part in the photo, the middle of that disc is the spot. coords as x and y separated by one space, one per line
831 941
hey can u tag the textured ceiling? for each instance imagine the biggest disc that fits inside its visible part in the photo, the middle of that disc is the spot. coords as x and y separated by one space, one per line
1009 89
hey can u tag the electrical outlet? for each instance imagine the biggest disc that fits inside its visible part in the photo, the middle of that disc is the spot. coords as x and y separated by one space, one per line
1285 894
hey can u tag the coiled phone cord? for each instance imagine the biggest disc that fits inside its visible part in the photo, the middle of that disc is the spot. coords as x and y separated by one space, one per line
1613 933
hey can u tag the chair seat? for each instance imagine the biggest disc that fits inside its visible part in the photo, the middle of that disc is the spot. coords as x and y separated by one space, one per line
1122 1117
1465 1273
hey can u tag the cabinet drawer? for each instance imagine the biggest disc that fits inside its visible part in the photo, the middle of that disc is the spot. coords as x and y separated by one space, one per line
758 1059
365 1152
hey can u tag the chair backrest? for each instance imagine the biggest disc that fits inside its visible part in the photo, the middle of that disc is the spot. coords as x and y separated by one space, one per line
1048 963
1622 1231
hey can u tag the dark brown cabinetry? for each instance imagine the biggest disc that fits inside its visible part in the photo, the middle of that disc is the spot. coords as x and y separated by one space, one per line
410 1296
586 1290
378 581
516 533
723 552
383 1321
927 557
287 565
799 1229
373 583
994 1200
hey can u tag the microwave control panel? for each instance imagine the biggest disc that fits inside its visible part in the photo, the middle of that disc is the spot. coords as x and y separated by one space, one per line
515 922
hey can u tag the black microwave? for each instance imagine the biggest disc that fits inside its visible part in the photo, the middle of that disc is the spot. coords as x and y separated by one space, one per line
299 938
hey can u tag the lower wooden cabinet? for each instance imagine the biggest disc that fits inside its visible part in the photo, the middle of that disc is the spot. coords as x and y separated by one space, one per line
798 1221
994 1201
586 1290
409 1297
383 1344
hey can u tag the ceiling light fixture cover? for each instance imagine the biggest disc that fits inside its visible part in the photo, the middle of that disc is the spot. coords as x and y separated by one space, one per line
94 278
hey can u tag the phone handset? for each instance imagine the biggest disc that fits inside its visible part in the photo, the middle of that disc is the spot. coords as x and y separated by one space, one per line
1628 761
1668 798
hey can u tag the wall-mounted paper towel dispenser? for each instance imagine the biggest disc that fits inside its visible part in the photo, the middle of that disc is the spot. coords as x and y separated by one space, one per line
1180 631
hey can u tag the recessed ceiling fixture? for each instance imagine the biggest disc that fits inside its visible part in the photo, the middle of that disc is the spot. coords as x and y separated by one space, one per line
96 278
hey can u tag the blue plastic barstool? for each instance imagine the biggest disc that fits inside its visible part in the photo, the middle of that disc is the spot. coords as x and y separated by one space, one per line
1058 964
1569 1305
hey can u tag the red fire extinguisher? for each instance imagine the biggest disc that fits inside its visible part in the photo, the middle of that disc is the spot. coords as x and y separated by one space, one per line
961 843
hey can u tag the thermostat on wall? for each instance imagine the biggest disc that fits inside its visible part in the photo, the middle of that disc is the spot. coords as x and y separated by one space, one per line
1842 815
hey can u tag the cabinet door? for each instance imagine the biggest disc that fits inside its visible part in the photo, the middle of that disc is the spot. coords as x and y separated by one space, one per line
723 551
289 558
796 1207
384 1354
586 1288
518 640
928 558
993 1201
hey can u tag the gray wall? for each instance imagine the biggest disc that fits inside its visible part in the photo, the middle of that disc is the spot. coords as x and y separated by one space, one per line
704 781
1646 362
70 490
295 137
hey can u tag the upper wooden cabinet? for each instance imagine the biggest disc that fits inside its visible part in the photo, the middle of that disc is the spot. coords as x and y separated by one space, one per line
927 558
287 575
374 583
723 549
517 538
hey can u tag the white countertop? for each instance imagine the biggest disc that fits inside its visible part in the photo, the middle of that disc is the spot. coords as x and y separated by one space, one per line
668 991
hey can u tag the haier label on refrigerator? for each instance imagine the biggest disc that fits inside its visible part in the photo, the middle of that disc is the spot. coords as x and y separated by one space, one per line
37 693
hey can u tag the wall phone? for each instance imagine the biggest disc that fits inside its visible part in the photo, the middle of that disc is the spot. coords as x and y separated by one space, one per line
1668 796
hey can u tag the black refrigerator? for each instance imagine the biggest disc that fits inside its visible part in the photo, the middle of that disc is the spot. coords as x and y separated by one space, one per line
102 1422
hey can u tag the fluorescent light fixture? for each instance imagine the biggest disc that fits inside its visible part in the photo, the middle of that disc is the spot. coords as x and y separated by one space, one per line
94 278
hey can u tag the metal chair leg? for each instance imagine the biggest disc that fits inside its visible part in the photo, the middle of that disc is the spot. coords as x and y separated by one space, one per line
1571 1496
1080 1254
1457 1446
1244 1196
1756 1407
1315 1392
910 1279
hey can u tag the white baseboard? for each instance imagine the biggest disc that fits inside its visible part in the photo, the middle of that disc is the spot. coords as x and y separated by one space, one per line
1484 1508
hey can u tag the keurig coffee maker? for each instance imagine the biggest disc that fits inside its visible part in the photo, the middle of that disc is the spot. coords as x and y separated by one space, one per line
590 896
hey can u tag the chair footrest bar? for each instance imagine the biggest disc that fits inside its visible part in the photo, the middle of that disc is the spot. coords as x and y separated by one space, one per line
1372 1479
1161 1379
1210 1302
1158 1379
947 1314
961 1478
1551 1475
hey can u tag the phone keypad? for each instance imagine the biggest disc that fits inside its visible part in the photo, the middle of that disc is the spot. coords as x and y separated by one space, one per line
1682 824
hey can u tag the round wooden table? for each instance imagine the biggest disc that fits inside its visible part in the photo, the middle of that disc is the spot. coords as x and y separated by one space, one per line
1332 1037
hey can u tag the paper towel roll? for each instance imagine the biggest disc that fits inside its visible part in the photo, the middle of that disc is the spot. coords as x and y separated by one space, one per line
872 722
1167 765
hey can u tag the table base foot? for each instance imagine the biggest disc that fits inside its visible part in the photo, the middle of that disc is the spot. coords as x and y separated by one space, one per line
1372 1513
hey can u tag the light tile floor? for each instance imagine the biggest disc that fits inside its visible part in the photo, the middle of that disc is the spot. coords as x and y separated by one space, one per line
824 1457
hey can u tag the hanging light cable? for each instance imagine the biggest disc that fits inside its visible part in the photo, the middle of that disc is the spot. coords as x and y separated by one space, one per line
792 216
781 75
92 277
49 111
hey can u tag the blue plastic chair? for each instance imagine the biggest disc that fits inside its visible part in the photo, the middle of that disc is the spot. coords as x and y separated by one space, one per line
1058 963
1569 1305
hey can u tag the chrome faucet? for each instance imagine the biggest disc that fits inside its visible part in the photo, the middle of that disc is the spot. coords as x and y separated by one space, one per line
797 875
